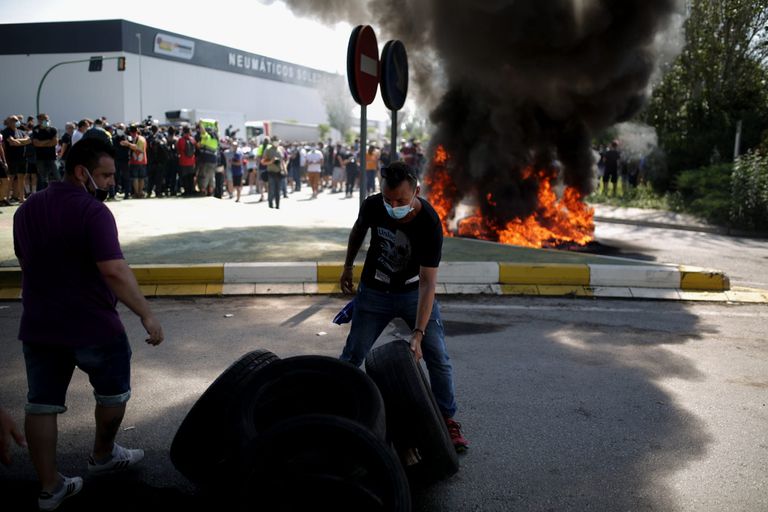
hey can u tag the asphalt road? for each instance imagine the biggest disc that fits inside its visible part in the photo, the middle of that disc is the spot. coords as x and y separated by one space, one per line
569 404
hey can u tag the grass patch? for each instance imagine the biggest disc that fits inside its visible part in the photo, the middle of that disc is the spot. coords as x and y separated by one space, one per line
642 196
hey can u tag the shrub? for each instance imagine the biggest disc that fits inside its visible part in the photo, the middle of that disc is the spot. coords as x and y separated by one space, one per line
749 192
706 192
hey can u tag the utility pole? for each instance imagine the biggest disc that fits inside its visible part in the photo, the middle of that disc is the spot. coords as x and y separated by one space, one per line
141 95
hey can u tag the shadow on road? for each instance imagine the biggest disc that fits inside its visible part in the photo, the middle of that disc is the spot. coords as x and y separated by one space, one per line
568 414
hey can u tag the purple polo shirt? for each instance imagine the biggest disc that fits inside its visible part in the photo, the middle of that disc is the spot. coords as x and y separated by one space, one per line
59 234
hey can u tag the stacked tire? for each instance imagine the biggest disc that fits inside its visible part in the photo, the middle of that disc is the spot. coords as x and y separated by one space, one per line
292 434
415 426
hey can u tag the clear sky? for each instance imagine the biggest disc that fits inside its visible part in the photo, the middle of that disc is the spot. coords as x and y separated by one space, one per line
270 30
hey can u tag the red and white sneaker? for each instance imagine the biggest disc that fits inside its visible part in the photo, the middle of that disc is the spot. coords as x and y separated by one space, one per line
454 429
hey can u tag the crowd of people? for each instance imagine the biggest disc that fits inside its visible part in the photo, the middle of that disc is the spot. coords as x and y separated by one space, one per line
169 161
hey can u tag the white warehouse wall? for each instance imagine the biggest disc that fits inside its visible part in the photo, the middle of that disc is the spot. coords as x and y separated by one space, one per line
169 85
70 92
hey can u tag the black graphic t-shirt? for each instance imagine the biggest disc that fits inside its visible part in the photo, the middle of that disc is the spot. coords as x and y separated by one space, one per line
397 250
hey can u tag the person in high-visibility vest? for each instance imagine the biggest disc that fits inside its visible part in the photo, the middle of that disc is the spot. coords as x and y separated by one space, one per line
209 157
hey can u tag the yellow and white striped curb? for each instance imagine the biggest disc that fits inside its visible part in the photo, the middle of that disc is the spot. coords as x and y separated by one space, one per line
669 282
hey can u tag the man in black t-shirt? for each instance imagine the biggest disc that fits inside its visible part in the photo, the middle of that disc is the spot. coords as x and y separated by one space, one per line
399 279
45 138
14 142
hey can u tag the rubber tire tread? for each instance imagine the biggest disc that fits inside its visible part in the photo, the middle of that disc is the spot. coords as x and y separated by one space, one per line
205 424
311 384
278 466
414 420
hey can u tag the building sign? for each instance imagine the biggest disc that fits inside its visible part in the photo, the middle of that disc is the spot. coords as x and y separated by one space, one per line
174 46
274 69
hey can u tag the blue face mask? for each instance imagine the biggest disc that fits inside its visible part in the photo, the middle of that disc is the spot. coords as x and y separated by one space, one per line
399 212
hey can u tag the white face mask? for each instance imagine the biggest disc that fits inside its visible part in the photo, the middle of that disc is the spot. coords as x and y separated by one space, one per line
399 212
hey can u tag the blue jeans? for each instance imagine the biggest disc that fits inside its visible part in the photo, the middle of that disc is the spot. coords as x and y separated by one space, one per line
273 196
374 310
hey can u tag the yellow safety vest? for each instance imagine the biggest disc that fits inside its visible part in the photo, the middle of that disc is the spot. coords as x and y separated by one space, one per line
209 142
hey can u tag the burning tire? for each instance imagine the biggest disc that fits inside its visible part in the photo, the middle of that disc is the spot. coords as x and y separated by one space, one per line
304 385
321 462
414 423
204 448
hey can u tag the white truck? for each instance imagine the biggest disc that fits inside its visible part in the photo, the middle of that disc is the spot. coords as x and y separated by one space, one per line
234 121
287 131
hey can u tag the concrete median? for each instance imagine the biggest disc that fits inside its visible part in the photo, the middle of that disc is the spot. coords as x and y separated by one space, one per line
642 281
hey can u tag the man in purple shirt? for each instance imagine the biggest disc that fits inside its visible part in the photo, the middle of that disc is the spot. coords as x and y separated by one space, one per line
70 317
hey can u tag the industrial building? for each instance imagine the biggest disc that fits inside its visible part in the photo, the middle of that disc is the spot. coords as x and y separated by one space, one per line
163 71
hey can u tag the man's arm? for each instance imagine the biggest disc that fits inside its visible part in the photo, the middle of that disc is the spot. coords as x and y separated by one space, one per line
45 143
356 239
122 282
427 285
62 149
21 141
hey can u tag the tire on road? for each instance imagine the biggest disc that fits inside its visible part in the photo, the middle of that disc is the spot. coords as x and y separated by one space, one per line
321 462
311 385
204 446
415 424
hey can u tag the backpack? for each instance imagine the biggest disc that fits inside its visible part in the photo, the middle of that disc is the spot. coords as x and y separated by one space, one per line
160 154
189 147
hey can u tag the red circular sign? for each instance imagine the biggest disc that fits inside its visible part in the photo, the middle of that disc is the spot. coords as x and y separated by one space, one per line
363 64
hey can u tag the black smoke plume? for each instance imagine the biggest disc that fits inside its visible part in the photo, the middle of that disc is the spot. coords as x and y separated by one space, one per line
513 83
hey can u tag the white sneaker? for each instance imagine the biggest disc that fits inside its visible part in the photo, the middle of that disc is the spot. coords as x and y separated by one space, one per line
122 458
51 500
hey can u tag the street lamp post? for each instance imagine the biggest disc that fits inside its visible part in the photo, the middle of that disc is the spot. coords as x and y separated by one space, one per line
141 95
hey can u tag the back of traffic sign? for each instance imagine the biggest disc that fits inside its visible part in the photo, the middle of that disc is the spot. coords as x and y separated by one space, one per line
394 75
363 64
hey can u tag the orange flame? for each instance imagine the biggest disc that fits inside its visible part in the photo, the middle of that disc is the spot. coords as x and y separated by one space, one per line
556 221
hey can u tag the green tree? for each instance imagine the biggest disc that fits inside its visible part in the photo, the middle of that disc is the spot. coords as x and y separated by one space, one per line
338 103
719 79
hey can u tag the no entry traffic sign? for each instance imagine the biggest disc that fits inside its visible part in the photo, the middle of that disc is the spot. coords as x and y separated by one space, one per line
394 75
363 64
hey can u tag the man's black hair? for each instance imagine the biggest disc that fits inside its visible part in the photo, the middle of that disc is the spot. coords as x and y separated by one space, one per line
88 152
397 172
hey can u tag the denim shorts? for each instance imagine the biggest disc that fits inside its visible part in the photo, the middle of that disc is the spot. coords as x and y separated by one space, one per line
50 369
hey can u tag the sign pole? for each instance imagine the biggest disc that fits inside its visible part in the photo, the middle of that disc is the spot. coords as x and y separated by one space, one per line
361 161
393 136
394 85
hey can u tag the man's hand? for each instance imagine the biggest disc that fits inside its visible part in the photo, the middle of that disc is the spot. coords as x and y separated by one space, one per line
416 338
346 281
8 431
154 330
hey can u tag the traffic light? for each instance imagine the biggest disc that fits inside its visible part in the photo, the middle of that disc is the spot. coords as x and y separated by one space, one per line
121 63
95 64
